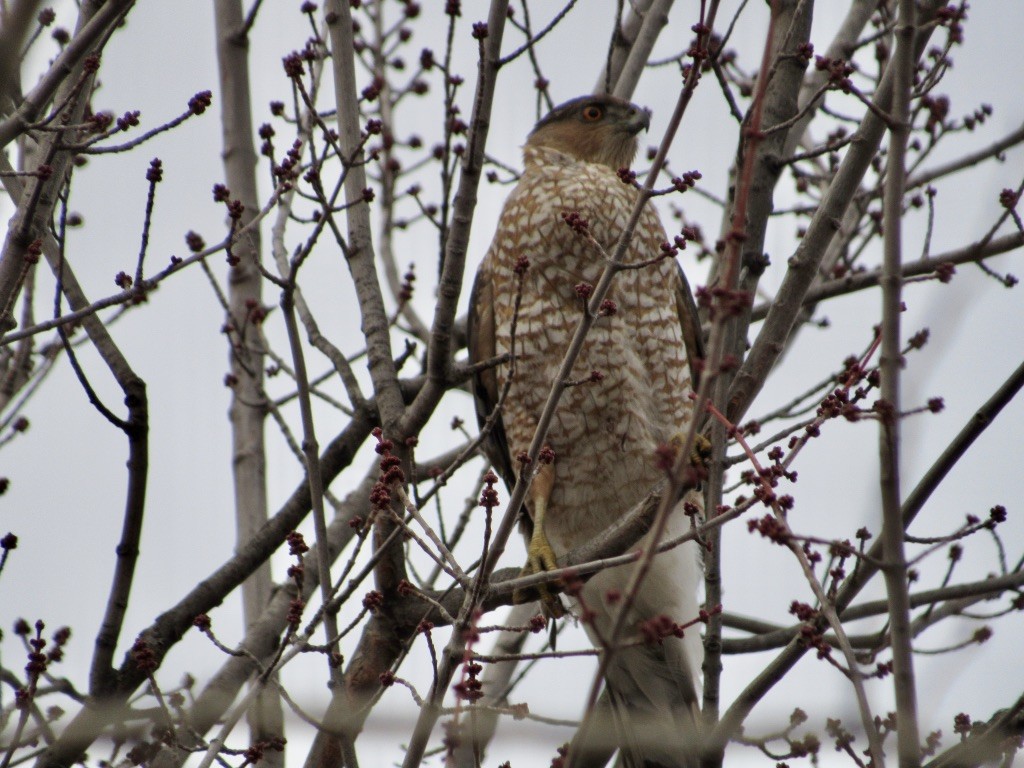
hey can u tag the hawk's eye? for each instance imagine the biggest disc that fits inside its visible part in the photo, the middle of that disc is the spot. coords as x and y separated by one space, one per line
592 113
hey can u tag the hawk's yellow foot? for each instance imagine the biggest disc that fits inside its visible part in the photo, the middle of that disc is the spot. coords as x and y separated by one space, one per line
540 557
700 454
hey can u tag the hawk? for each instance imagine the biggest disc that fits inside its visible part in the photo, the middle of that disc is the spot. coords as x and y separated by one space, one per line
632 383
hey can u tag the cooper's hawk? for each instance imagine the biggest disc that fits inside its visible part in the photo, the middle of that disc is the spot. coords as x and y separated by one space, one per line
607 428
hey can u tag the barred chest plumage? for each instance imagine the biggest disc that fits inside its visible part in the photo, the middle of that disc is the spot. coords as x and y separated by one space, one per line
633 380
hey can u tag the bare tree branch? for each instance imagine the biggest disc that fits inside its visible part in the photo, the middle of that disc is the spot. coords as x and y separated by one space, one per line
94 23
781 664
655 18
803 264
860 281
359 253
895 570
245 294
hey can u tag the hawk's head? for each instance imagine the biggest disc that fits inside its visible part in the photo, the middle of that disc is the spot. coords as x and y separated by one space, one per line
597 129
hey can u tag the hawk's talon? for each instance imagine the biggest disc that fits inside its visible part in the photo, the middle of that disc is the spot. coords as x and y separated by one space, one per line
700 454
540 557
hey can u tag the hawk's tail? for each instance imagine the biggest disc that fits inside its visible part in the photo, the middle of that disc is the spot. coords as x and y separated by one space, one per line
654 706
652 687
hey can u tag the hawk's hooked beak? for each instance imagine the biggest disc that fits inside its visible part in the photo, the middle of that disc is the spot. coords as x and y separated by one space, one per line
638 120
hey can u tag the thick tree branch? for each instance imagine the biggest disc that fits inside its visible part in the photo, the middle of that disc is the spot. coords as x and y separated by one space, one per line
453 268
18 18
842 46
746 221
359 251
39 197
624 37
890 365
95 22
439 357
245 292
988 743
655 19
263 636
954 599
803 264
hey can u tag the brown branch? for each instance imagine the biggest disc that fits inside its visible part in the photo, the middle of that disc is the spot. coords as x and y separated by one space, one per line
746 222
439 354
984 589
842 46
388 179
931 480
967 161
803 264
379 645
262 638
340 725
655 18
135 427
495 681
624 37
956 598
608 549
95 22
279 251
825 607
39 192
127 297
19 17
890 363
532 40
245 291
102 678
988 742
359 252
89 147
315 338
316 483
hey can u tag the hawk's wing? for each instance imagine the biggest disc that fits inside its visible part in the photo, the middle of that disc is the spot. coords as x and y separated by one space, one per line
689 321
480 342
